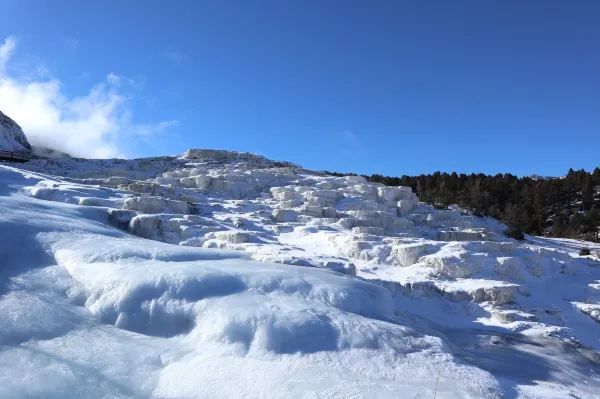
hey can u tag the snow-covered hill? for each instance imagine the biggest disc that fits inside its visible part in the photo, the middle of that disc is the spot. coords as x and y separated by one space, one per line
220 274
12 137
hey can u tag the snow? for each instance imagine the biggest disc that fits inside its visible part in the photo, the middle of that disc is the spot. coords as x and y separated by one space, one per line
222 274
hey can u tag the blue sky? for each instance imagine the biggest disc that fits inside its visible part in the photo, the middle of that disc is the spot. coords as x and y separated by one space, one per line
398 87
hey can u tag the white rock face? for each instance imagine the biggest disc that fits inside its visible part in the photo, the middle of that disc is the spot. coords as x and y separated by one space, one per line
221 155
394 194
201 182
409 254
146 226
285 215
284 193
233 237
12 137
156 205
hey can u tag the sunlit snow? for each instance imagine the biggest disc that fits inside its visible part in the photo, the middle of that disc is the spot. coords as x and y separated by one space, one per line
219 274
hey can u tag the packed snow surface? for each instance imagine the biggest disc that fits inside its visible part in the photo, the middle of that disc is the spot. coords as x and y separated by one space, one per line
224 275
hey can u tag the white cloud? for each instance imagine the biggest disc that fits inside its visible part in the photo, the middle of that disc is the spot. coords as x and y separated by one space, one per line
153 129
98 124
6 51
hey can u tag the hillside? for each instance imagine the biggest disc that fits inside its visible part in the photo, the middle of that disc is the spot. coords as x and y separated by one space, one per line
216 272
567 207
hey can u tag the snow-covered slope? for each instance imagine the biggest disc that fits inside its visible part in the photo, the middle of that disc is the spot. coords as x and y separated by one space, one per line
11 135
220 274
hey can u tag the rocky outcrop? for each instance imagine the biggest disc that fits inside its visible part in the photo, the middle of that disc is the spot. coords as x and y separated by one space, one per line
12 137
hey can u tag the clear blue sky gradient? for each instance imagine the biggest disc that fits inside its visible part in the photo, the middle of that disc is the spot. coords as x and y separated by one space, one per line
392 87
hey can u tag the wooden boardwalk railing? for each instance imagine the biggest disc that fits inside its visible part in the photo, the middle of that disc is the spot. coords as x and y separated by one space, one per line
15 156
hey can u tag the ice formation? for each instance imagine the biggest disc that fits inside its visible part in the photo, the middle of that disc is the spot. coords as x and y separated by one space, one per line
224 274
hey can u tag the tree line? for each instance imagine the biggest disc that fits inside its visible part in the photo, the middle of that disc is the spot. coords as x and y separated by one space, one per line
566 206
